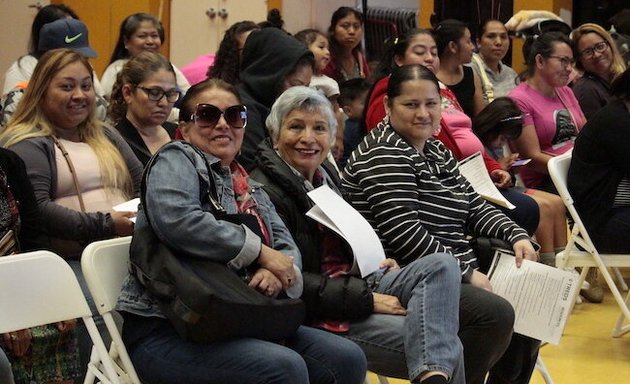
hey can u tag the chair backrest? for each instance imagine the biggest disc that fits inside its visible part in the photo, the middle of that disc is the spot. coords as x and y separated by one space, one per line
105 265
559 170
558 167
38 288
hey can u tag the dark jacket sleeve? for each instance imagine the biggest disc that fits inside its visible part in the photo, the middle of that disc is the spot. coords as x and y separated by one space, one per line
61 222
133 164
32 235
341 298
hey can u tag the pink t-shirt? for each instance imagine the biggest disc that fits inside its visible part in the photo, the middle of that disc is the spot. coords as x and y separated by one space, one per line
459 125
557 121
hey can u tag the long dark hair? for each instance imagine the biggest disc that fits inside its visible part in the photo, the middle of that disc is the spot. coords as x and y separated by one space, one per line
128 27
447 31
541 45
227 64
134 72
396 48
340 13
501 117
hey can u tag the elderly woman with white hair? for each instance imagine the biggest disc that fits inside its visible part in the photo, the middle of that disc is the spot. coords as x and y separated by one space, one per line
399 316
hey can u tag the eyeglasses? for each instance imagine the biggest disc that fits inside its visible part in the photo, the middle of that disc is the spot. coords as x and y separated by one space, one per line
565 61
590 52
156 94
207 115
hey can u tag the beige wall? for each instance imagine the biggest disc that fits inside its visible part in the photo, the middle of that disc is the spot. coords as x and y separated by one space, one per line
16 19
301 14
193 33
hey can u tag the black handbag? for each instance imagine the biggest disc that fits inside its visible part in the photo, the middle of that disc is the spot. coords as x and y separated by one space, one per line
205 301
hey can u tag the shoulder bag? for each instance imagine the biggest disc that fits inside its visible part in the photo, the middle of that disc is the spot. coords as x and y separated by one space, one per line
204 300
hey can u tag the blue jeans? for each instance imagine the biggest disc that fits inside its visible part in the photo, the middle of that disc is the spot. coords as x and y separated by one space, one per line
310 356
485 331
426 338
526 214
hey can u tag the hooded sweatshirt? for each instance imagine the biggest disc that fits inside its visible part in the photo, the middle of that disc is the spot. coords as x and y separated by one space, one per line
269 56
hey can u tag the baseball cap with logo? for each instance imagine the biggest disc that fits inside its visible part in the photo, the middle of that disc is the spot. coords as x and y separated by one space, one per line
65 33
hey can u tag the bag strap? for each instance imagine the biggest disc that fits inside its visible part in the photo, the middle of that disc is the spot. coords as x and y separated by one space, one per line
488 89
73 172
211 189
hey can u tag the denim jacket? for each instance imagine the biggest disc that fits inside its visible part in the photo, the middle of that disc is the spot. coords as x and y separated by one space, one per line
181 217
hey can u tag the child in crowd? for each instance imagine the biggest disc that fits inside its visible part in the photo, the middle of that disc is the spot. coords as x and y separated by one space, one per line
317 42
352 98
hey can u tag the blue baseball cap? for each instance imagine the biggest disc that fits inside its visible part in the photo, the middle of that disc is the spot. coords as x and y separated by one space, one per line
65 33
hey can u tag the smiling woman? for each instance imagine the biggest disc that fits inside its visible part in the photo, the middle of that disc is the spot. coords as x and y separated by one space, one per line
213 120
597 55
139 32
388 318
79 169
552 115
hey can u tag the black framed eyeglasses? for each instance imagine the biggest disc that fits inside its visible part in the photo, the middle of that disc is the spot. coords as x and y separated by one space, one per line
565 61
208 115
590 51
156 94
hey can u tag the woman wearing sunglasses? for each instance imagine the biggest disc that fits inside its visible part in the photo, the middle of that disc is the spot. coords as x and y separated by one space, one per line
597 55
213 119
141 101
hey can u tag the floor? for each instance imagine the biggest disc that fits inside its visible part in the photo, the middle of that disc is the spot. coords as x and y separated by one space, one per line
587 353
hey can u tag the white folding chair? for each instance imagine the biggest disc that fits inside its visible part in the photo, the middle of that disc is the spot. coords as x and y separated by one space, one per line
39 288
544 372
588 256
105 265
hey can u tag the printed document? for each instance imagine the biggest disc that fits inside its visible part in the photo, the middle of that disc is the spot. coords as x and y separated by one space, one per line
474 170
332 211
131 205
542 296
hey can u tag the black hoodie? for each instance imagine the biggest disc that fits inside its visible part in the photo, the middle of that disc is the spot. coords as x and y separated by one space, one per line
269 56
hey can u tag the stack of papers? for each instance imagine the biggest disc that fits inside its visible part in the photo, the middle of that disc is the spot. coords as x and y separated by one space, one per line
332 211
542 296
474 170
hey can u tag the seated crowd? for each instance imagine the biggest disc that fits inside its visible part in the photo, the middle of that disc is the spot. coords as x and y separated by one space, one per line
277 117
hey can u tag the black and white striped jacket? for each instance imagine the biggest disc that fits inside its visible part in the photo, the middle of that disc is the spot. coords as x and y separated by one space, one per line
420 204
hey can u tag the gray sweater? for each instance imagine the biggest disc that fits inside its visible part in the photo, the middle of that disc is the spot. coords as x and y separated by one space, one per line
61 222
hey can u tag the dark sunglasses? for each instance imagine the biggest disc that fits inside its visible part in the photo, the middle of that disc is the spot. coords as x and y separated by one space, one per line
207 115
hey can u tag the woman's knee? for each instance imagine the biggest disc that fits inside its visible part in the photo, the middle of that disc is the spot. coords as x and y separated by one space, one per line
444 264
486 309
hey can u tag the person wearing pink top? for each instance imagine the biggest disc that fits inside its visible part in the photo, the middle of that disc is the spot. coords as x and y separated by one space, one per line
552 114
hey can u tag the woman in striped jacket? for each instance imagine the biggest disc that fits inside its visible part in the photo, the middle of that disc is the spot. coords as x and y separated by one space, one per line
408 186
